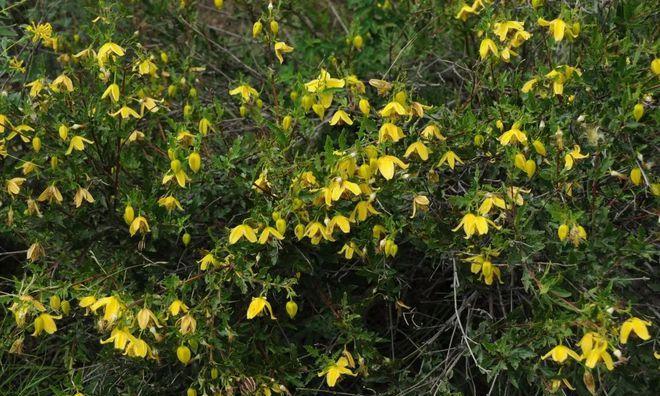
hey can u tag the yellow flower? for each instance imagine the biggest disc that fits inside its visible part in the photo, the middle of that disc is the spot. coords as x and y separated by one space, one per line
42 31
560 353
280 48
539 148
465 12
575 154
245 91
126 112
393 109
636 325
169 203
194 161
386 165
558 28
519 38
187 324
450 158
636 176
147 67
257 305
145 317
340 117
349 249
362 211
112 307
112 92
335 370
324 81
14 185
343 222
420 149
364 106
119 338
562 232
177 306
420 201
655 66
474 224
242 231
77 143
61 81
176 172
137 347
432 130
257 28
50 194
82 194
267 233
513 135
316 231
389 131
45 322
129 214
36 87
107 51
489 201
139 224
207 260
87 301
594 349
487 46
501 29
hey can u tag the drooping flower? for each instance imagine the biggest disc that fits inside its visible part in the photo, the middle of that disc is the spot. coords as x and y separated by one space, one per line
334 371
45 322
560 353
257 305
242 231
636 325
282 48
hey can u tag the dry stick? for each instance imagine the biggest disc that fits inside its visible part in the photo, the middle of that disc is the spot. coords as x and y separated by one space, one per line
334 11
458 320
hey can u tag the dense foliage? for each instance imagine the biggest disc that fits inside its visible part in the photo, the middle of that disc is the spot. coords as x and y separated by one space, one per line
391 197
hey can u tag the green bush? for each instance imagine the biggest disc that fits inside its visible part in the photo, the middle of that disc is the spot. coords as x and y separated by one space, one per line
335 197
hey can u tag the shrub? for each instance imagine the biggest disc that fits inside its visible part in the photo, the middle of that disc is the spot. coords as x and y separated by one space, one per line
360 197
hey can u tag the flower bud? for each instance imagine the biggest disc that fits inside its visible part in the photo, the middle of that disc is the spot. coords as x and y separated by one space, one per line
257 28
36 144
358 42
55 302
286 122
185 239
194 161
365 107
129 214
183 354
638 111
274 27
291 309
